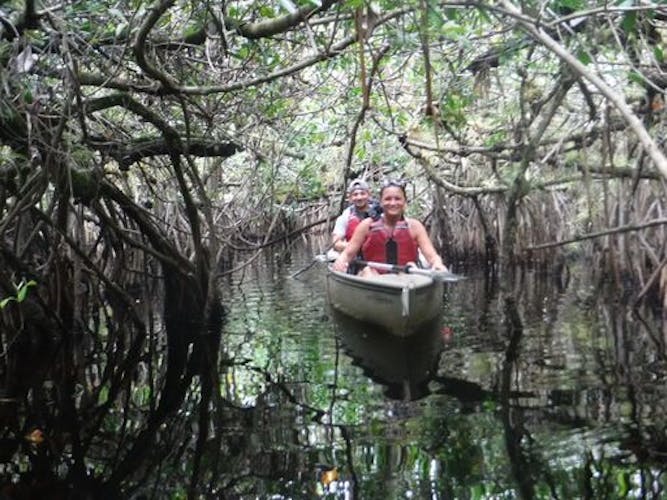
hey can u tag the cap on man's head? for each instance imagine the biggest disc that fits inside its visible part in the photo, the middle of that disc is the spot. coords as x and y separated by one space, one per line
358 184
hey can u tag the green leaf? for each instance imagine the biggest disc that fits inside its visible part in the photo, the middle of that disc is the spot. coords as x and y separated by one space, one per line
21 292
635 77
5 301
354 4
103 395
629 22
659 53
452 14
243 52
266 11
623 486
568 5
22 289
584 57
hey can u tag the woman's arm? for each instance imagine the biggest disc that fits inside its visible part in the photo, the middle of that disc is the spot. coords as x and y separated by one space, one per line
353 246
426 246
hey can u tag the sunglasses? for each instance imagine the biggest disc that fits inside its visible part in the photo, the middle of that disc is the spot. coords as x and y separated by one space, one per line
393 182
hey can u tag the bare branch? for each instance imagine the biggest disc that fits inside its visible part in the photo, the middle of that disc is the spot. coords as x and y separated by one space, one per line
127 156
598 234
278 25
532 26
140 44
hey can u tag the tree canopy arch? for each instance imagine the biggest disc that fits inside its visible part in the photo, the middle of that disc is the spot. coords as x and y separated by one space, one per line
144 144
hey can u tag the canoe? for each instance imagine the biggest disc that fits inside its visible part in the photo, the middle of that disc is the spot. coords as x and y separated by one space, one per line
398 303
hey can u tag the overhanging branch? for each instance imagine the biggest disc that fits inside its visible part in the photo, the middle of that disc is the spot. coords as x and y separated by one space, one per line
271 27
599 234
533 27
203 148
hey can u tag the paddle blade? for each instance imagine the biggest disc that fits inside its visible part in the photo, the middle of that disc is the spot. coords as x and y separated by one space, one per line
447 276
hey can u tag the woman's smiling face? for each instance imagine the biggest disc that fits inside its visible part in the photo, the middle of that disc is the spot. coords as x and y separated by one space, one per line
393 200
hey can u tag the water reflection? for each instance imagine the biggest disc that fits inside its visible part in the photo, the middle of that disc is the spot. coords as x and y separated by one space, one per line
404 365
555 396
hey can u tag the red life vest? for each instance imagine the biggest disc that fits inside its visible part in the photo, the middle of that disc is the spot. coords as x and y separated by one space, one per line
353 221
374 248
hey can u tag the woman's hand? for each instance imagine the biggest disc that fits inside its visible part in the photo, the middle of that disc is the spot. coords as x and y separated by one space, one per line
340 264
439 266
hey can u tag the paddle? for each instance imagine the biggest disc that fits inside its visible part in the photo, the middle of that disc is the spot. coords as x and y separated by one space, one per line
394 268
322 257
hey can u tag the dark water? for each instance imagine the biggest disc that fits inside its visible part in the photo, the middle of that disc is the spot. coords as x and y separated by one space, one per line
561 395
556 390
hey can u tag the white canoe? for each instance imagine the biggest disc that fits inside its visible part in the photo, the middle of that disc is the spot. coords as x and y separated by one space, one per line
398 303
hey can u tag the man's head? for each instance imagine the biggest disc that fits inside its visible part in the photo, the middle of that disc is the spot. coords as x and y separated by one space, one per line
358 193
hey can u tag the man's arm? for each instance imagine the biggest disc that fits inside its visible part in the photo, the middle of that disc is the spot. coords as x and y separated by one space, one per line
340 228
353 246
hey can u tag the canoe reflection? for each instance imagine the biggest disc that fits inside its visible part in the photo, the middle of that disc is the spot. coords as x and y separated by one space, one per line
403 365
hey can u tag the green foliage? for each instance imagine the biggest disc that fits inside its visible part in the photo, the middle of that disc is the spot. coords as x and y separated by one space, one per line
103 395
629 23
277 108
192 29
568 5
453 30
354 4
84 183
636 77
300 124
453 109
584 57
310 184
21 293
266 11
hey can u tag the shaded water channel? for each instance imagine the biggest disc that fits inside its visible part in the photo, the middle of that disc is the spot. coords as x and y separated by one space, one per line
558 393
569 405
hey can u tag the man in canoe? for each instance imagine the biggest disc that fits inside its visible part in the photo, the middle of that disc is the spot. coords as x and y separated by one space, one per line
392 239
361 207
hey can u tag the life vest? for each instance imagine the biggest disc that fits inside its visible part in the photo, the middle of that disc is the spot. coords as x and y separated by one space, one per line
356 216
375 247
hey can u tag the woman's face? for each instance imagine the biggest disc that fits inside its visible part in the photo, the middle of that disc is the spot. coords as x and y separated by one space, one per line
393 200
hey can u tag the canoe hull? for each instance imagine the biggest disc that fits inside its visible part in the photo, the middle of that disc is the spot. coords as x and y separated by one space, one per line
397 303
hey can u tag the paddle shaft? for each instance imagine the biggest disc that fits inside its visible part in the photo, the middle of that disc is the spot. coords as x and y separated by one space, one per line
318 258
395 268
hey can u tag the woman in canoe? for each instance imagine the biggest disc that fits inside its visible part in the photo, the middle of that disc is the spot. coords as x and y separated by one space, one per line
392 239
